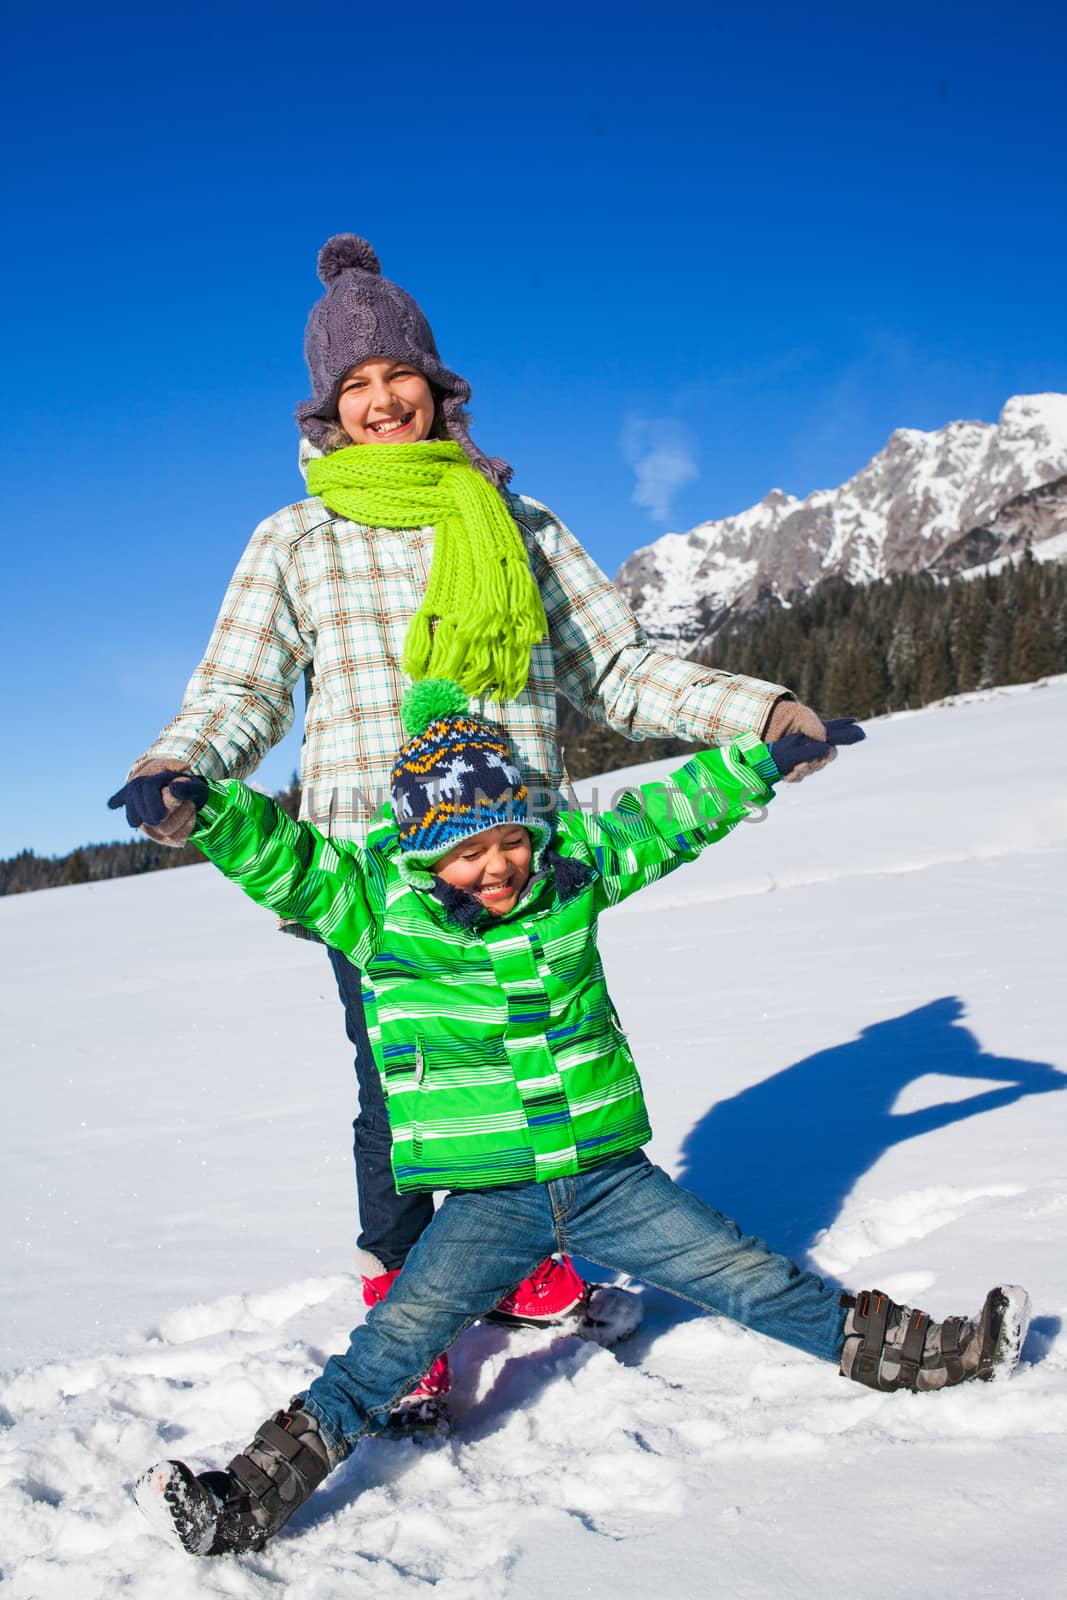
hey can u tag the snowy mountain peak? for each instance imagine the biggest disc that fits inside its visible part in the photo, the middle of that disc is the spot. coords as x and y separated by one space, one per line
1043 415
904 511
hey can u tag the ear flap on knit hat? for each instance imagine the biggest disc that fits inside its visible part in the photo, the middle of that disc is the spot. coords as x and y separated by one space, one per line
364 315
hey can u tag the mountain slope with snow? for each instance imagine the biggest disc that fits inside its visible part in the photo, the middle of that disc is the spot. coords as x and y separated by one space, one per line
970 484
848 1021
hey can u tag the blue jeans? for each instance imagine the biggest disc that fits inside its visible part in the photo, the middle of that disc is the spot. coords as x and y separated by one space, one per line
627 1216
389 1222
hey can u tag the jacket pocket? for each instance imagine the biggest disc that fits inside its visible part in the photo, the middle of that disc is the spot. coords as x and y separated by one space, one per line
620 1038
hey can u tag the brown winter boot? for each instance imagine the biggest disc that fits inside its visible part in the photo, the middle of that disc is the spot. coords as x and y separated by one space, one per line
893 1347
227 1513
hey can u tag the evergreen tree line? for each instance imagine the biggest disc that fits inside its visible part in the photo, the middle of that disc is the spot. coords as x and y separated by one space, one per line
864 649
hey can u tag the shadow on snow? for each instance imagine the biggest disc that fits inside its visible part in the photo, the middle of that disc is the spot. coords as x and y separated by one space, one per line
782 1156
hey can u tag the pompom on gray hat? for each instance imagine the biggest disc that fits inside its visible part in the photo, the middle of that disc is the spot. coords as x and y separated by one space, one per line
362 316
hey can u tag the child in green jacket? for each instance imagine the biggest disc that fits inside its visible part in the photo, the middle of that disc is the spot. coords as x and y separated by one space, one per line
510 1084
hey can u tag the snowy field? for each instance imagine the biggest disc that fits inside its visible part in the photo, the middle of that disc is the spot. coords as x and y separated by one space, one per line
850 1022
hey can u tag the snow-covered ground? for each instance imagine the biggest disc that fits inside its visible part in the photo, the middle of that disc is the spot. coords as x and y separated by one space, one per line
850 1021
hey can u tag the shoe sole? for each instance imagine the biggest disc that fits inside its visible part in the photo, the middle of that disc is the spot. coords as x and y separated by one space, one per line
419 1419
610 1314
554 1319
171 1498
1009 1322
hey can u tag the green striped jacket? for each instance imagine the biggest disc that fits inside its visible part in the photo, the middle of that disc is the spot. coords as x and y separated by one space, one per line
500 1051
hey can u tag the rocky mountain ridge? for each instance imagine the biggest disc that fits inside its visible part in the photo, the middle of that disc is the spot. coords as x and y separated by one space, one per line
943 501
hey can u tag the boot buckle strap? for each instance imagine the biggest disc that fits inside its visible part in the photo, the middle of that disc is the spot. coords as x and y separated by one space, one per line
254 1479
911 1348
281 1441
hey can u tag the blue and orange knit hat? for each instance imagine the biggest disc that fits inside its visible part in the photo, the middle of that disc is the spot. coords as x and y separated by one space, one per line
455 776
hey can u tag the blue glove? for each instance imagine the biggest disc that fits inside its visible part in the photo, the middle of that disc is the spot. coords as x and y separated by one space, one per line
143 797
793 749
843 730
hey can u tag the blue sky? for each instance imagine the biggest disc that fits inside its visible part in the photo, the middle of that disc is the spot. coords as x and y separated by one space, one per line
760 238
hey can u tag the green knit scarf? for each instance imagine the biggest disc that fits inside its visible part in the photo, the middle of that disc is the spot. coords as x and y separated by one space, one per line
482 612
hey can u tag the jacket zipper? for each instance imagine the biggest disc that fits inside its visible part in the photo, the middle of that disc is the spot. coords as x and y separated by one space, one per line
420 1073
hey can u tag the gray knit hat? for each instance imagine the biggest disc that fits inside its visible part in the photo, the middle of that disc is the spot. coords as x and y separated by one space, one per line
361 316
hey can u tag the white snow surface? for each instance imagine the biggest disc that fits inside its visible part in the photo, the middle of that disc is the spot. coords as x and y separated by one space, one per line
849 1019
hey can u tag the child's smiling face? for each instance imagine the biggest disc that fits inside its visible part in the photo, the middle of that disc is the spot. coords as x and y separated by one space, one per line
493 866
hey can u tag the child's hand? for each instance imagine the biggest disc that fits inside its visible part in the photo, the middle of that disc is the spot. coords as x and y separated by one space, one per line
797 748
789 716
844 730
144 800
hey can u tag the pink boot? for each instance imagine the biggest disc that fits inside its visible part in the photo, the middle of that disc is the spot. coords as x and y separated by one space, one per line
425 1409
552 1293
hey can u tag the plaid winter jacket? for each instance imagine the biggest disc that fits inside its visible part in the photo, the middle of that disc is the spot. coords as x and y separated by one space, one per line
318 597
501 1054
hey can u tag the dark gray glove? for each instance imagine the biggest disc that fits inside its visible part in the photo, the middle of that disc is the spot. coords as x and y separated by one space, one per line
145 801
796 749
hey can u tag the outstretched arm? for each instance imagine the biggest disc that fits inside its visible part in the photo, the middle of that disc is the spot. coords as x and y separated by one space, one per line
660 826
335 890
608 670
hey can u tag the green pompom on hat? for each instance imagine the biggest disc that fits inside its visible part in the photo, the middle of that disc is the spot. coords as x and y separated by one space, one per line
429 700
